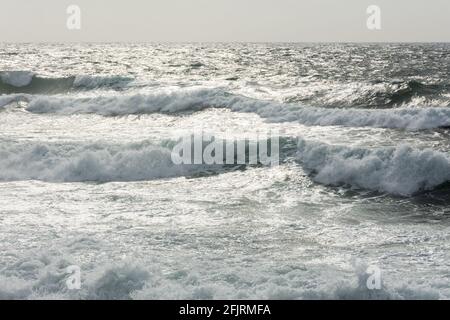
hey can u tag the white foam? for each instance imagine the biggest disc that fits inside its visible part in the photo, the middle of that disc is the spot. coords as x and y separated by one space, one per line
118 282
198 99
17 78
402 170
93 162
139 280
360 291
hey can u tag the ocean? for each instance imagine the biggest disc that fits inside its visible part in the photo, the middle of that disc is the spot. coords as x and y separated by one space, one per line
89 189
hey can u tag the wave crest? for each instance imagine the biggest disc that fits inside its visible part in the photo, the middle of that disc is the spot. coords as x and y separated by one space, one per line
195 99
400 170
67 162
16 78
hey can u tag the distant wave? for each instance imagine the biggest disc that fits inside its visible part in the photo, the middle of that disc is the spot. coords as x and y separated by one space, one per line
371 95
16 78
198 99
28 82
402 170
407 90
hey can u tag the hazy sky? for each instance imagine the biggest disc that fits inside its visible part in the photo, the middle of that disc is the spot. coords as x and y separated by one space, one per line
225 20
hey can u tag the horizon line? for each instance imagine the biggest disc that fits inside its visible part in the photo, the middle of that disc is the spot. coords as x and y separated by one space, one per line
225 42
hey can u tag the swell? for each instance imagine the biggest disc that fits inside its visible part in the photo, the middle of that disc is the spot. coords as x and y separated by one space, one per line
16 82
189 100
372 95
400 170
411 89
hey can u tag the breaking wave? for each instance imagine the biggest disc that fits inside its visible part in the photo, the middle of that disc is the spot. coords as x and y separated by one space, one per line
68 162
28 82
400 170
103 162
413 118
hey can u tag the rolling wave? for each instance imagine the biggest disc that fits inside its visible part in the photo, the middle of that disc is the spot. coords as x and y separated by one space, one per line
400 170
189 100
102 162
407 90
372 95
94 162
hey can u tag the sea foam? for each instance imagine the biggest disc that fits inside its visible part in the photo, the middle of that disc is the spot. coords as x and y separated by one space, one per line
45 278
68 162
400 170
16 78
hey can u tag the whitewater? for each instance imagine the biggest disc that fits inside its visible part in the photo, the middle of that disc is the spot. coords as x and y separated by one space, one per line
87 178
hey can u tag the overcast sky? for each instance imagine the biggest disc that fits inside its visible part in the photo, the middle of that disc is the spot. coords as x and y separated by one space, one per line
225 20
